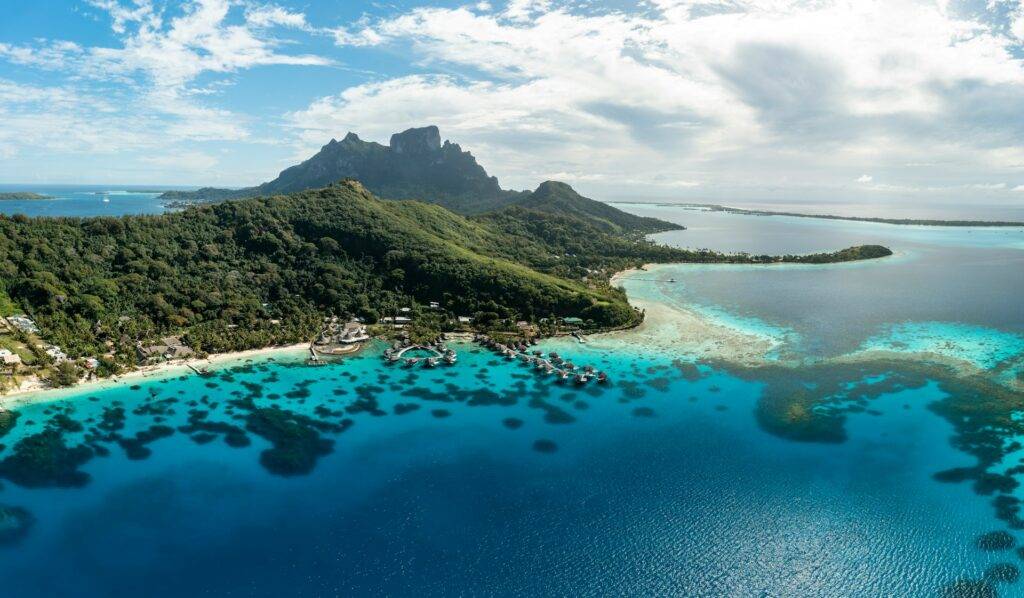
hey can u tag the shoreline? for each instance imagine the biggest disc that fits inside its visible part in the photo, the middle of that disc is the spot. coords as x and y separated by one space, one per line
926 222
672 329
689 333
36 392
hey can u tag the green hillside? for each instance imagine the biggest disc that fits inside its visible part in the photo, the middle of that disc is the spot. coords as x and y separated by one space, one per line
223 272
558 198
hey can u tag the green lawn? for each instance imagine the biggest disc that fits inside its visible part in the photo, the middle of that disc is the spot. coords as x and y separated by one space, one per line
9 342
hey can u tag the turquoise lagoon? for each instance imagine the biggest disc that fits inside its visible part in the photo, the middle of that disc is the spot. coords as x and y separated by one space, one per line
84 200
680 477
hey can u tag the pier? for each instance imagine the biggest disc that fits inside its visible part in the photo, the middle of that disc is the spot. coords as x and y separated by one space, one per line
552 364
438 350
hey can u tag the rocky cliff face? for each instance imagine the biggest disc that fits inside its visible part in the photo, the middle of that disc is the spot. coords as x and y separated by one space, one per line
417 165
425 140
414 165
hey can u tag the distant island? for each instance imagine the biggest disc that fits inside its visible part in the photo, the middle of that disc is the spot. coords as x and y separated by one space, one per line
896 221
15 195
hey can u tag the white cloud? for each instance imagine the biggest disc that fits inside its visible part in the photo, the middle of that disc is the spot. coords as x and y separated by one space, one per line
865 178
161 57
741 93
1017 22
269 15
190 161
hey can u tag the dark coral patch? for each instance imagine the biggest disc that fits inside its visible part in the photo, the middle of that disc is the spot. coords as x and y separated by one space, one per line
15 523
1003 573
8 419
995 541
545 446
403 408
296 441
968 588
43 460
237 439
512 423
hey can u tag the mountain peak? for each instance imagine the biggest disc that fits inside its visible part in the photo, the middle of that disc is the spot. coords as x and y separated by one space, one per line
351 137
416 141
553 187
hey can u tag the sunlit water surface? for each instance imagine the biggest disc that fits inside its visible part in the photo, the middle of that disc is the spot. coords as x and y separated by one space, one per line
486 478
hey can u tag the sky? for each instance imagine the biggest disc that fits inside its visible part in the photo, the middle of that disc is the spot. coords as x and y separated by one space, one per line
905 101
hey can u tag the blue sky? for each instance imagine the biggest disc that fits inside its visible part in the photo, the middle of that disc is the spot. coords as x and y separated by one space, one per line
775 100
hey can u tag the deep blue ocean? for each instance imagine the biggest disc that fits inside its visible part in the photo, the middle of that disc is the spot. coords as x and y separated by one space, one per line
814 475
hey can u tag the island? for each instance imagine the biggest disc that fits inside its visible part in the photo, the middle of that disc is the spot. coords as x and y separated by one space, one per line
895 221
266 271
287 267
22 195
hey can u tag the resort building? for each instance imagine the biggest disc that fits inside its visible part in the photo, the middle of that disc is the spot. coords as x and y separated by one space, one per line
170 347
397 321
23 323
55 353
525 328
9 359
353 332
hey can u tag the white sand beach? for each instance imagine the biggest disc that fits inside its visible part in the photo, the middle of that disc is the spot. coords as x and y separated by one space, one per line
34 390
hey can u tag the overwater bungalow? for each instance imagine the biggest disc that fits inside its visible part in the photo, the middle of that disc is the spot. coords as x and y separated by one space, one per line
431 362
602 377
412 361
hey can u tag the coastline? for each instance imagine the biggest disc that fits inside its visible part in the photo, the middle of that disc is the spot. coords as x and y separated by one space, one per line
669 328
674 329
688 333
34 391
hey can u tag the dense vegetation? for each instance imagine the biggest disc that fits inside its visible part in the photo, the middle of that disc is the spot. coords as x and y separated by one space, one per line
258 271
558 198
224 272
21 195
